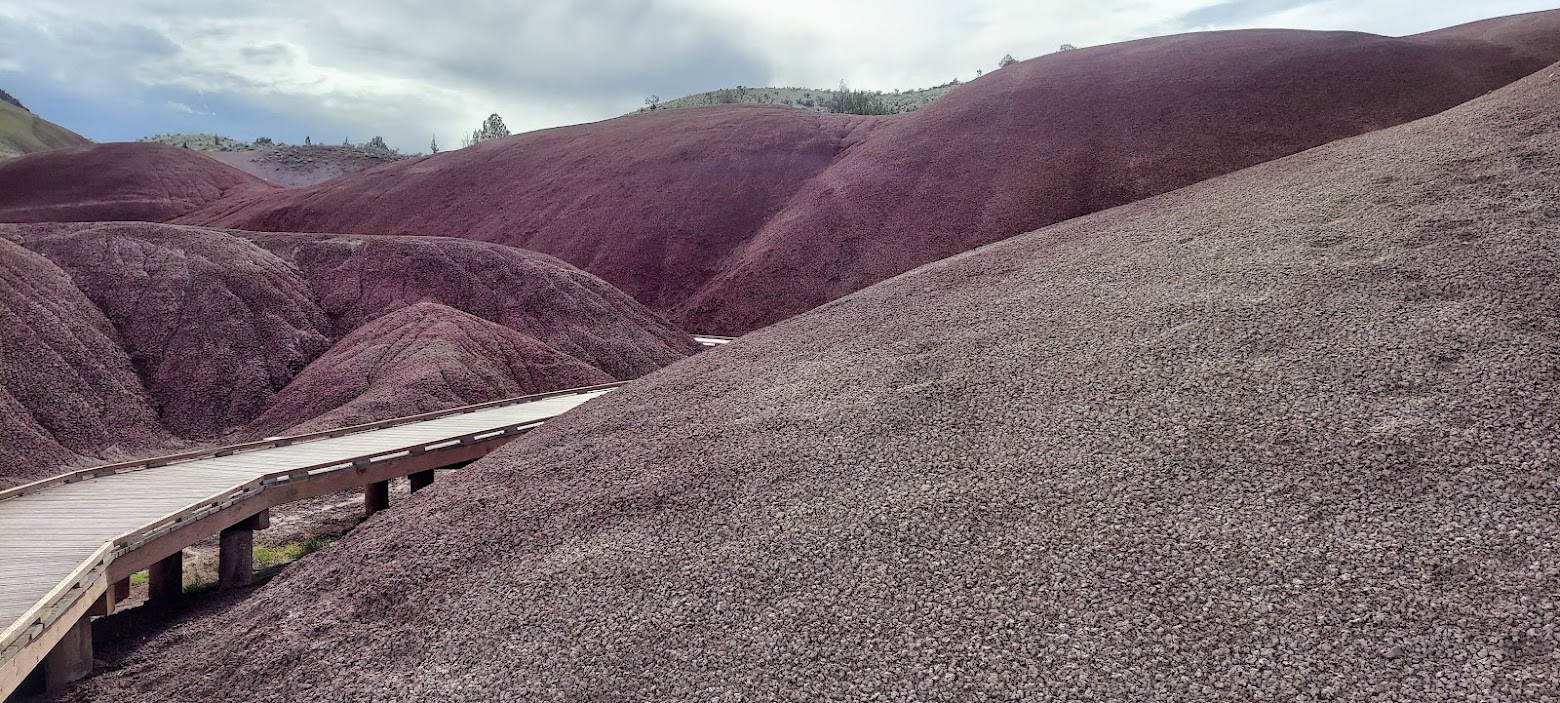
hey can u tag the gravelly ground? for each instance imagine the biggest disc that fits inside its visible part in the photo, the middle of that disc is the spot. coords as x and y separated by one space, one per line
1290 434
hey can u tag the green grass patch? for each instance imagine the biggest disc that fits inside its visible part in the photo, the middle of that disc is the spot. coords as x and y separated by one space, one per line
139 578
198 588
267 557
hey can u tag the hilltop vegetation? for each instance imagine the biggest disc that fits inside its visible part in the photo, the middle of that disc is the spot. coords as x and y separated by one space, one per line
8 98
813 99
199 142
842 100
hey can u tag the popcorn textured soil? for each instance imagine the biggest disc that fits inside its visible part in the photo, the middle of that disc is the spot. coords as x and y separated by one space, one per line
1289 434
125 339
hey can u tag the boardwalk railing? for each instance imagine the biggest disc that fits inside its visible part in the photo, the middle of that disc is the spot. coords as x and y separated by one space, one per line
26 641
154 462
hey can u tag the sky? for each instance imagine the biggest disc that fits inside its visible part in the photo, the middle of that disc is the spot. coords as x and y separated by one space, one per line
413 70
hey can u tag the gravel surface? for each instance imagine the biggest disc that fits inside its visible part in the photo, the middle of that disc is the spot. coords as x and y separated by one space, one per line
120 181
127 339
1289 434
728 218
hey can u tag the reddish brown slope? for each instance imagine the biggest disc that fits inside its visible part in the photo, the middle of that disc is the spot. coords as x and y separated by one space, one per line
729 218
138 181
650 203
358 279
1289 434
1068 134
67 389
421 357
118 335
214 325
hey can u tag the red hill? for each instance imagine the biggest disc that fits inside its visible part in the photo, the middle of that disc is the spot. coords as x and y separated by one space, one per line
730 218
135 181
422 357
67 387
116 338
1289 434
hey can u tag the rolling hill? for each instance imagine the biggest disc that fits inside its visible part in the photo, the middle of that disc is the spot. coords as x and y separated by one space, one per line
126 338
1286 434
729 218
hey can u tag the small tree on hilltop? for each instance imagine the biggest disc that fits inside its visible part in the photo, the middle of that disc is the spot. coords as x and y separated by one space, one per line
307 141
857 102
492 128
377 144
433 145
1006 60
1066 47
653 102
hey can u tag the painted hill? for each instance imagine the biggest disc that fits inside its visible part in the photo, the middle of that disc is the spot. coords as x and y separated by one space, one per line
22 132
1287 434
421 357
127 338
732 217
677 190
67 387
120 181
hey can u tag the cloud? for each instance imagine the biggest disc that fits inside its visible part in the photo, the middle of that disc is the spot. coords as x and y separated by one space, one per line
405 69
177 106
1236 12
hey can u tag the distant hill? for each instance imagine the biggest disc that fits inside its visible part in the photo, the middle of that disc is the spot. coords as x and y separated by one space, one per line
727 218
814 99
289 165
199 141
22 132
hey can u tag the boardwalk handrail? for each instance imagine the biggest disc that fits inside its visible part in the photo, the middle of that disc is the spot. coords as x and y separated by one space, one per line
154 462
90 578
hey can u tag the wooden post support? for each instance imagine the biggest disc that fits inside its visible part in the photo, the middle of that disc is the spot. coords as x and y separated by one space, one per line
421 480
71 658
236 557
165 579
376 497
121 589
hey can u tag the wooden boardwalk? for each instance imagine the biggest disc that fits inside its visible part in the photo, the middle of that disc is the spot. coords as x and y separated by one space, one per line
71 538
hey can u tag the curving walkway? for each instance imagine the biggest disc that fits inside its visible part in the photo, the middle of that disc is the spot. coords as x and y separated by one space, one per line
69 544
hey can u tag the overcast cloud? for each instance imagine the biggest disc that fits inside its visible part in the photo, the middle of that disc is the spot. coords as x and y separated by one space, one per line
408 69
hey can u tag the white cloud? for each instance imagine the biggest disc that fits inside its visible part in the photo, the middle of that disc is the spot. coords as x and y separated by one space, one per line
177 106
